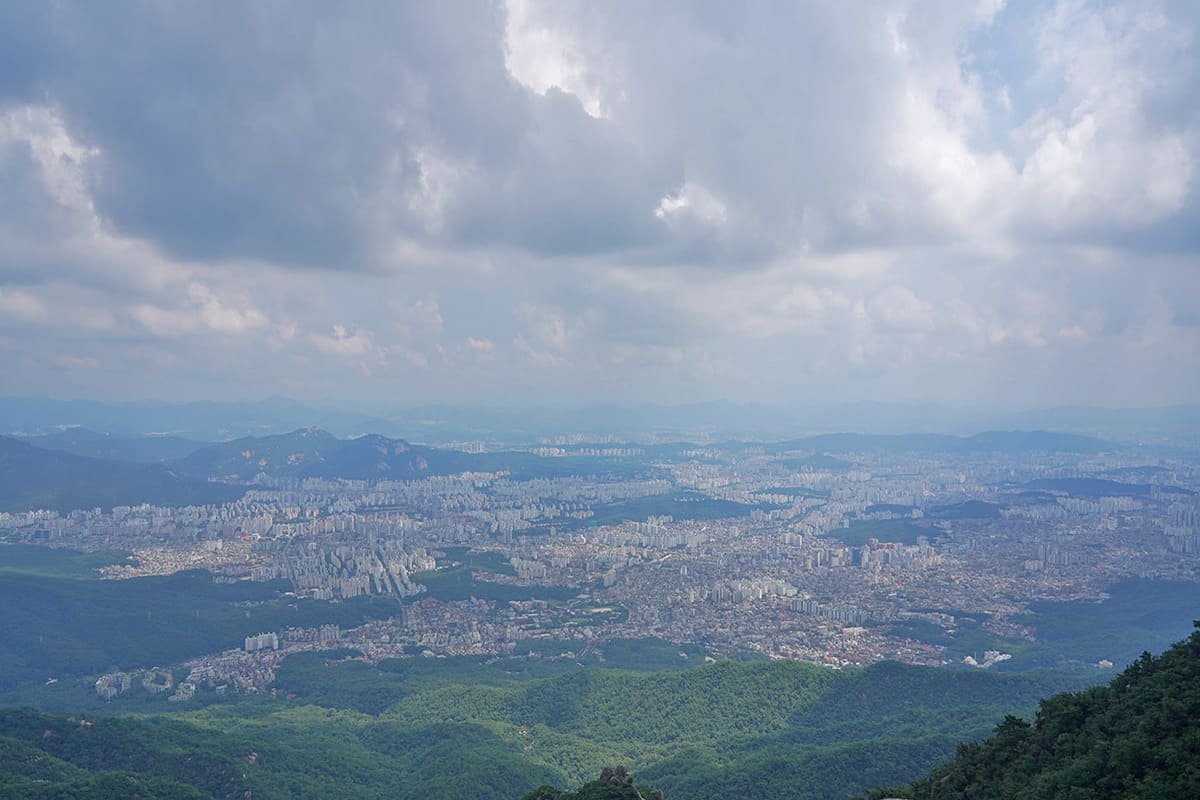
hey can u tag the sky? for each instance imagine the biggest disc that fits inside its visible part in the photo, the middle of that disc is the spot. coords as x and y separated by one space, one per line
394 204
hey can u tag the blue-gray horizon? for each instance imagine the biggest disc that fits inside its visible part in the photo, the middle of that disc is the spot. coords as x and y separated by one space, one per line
522 203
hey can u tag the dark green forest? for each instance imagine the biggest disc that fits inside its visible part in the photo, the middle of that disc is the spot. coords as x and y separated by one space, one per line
416 728
1138 738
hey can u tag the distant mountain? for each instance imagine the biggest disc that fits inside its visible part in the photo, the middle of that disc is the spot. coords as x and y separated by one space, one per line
33 478
988 442
1150 424
141 449
314 453
1170 427
1136 739
1035 441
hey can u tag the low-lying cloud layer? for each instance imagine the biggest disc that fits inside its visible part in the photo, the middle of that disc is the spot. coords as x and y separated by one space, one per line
526 202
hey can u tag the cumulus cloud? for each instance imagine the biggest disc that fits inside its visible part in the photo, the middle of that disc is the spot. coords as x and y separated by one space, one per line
480 345
896 308
422 319
1104 153
202 311
669 198
546 326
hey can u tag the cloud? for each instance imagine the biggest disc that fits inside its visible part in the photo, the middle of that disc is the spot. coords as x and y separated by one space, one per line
221 318
542 58
897 309
20 305
1107 151
203 311
420 320
660 131
342 342
568 199
480 345
542 359
546 326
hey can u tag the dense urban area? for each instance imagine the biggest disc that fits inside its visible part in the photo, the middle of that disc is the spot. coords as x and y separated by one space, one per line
836 550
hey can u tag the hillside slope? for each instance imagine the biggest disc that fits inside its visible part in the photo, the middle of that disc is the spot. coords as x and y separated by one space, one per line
1138 738
768 730
467 728
33 478
294 756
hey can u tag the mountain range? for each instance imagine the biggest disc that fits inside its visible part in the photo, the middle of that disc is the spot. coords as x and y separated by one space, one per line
216 421
80 468
172 471
314 453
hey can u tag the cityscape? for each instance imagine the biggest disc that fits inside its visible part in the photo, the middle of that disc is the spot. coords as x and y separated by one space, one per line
840 557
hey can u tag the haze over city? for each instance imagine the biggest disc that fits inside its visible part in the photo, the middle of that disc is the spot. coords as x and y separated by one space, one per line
565 202
567 400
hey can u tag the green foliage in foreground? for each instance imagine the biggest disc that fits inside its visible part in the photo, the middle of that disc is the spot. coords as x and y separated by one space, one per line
300 753
457 728
1137 738
764 730
751 734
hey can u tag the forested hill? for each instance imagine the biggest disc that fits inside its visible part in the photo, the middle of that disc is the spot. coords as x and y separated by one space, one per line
33 478
1136 739
314 453
337 728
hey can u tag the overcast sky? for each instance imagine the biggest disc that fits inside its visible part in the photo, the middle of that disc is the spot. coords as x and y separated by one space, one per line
402 203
